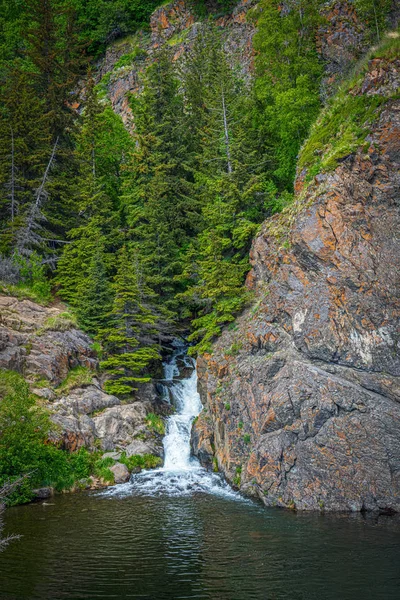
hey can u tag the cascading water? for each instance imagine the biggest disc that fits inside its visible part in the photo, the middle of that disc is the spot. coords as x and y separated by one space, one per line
181 473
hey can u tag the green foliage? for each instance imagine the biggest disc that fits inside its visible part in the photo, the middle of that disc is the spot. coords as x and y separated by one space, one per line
61 322
345 123
374 13
128 59
95 296
33 280
98 348
130 339
156 423
246 438
288 78
234 349
159 206
142 461
238 476
77 377
227 406
24 448
101 469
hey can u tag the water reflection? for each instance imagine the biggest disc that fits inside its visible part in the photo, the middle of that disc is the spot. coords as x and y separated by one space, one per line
196 547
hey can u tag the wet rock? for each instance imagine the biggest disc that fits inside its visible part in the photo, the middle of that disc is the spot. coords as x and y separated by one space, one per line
43 493
120 472
144 447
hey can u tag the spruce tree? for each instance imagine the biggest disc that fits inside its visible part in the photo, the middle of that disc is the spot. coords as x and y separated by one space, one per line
160 207
130 340
230 185
96 195
94 298
24 151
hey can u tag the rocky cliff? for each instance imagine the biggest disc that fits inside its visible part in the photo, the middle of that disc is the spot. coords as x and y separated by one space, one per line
302 394
58 360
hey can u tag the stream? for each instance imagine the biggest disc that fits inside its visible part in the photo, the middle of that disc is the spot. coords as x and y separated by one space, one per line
180 532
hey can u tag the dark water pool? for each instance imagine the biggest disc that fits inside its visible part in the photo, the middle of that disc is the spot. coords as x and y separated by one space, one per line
88 546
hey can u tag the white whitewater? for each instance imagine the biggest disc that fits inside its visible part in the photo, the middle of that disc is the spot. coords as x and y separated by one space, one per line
181 473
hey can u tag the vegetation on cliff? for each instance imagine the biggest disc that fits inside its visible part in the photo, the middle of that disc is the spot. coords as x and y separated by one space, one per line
142 232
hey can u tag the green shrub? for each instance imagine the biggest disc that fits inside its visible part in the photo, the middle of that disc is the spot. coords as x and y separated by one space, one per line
143 461
227 406
155 423
77 377
33 278
238 476
61 322
234 349
246 438
98 348
24 448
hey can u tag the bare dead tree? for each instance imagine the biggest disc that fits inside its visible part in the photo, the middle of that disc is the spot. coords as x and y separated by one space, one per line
5 491
29 236
12 183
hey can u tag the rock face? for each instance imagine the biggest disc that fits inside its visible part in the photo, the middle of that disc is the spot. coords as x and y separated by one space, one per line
36 352
89 417
176 26
85 415
302 401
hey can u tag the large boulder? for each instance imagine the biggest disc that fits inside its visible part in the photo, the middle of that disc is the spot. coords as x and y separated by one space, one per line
120 472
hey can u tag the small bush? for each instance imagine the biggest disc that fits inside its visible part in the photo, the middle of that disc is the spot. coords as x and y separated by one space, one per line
97 348
61 322
25 451
227 406
77 377
234 349
238 476
246 438
155 423
143 461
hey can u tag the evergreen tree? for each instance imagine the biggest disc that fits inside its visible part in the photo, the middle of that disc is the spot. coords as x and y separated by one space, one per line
94 296
130 338
159 206
24 148
100 147
230 185
57 58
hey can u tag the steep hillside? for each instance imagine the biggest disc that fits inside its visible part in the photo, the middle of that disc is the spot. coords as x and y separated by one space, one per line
302 394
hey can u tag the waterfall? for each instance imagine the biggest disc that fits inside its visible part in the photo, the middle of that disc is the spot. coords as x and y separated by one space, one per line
181 473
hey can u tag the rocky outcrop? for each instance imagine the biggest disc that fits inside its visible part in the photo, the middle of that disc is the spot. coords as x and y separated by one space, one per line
29 345
89 417
174 25
43 344
302 400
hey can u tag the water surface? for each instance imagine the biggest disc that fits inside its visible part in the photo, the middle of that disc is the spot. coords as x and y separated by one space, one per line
198 546
180 532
